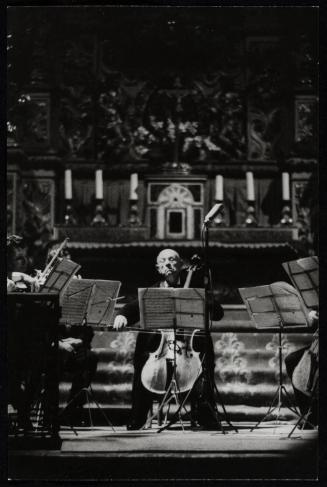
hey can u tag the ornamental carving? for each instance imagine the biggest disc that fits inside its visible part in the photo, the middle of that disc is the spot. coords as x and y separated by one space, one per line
76 115
29 121
306 211
75 127
306 59
11 204
267 83
264 133
171 119
37 216
305 138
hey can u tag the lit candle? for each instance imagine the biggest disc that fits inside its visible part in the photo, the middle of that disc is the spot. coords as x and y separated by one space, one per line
286 186
250 186
68 184
219 188
133 187
98 184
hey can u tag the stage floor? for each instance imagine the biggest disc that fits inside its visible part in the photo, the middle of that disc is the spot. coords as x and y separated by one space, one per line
101 453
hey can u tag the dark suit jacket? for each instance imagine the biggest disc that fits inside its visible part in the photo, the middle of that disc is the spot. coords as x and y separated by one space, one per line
149 342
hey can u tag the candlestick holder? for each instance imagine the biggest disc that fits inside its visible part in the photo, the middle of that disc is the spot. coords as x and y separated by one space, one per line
99 220
69 217
251 220
220 218
134 218
286 219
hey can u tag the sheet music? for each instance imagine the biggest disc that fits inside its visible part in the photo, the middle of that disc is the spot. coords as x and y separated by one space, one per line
75 302
103 301
170 307
62 272
274 305
304 273
90 299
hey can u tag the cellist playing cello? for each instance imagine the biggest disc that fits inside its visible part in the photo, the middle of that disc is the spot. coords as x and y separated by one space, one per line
170 267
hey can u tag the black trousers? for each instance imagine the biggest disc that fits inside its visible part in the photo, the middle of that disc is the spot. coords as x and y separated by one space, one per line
302 400
81 367
202 397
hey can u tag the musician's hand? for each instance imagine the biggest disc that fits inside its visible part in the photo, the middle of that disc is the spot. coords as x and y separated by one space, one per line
120 322
73 341
313 316
10 286
69 344
35 285
65 346
22 277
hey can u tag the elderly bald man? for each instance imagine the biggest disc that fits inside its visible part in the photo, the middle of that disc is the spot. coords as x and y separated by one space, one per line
170 268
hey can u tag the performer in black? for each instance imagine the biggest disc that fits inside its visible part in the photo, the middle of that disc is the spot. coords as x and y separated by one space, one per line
24 360
309 369
169 265
76 357
28 360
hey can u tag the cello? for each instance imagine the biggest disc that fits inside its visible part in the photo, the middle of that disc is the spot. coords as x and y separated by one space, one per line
305 374
175 357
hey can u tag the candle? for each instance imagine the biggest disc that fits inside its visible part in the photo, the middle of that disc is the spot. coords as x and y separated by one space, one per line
133 187
98 184
219 188
250 186
286 186
68 184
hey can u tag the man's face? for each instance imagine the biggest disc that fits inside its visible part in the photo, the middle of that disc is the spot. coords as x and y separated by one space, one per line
169 263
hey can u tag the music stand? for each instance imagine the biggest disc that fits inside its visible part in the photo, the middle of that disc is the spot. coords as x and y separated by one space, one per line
90 302
171 309
272 306
304 273
60 276
210 385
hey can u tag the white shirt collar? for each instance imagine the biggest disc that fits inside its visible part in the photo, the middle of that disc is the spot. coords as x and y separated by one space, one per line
165 284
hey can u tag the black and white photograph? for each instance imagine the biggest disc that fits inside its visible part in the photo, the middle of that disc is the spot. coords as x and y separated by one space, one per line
162 243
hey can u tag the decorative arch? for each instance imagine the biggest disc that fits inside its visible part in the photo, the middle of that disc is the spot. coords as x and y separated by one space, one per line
175 216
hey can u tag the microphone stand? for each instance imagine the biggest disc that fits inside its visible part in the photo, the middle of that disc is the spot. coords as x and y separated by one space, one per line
210 388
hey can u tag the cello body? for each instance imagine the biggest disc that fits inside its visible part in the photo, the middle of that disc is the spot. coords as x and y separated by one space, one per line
174 358
305 374
158 370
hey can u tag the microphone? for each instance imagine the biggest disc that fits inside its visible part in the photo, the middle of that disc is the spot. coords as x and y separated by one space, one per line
217 208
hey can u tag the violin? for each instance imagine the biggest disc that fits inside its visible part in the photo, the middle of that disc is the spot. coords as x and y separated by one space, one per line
43 275
174 357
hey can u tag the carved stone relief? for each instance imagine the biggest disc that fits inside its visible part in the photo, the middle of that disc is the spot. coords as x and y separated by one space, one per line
37 215
11 203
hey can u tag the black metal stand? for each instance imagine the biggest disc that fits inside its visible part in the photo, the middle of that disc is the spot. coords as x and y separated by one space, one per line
210 387
172 393
89 396
281 391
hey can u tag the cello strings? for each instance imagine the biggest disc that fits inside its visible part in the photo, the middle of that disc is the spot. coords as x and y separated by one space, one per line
156 331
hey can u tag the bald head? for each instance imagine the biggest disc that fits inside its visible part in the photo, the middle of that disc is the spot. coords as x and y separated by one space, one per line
169 265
